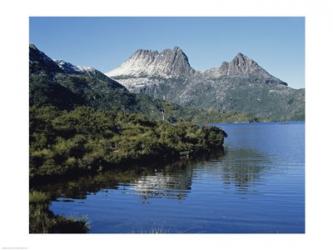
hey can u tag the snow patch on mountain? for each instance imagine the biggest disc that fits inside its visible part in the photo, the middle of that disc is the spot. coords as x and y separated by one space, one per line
73 69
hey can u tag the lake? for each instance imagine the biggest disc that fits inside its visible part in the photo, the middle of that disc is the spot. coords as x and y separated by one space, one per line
256 186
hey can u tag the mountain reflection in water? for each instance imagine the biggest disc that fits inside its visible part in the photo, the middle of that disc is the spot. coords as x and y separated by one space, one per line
240 168
256 186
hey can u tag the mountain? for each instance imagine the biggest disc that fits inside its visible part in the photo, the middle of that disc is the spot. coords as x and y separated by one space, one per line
240 87
168 63
242 66
39 62
83 122
64 85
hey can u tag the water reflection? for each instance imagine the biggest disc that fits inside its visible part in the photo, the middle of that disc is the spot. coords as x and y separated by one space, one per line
174 182
241 168
170 181
256 186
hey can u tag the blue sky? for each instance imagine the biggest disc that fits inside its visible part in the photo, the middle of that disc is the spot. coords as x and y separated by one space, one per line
276 43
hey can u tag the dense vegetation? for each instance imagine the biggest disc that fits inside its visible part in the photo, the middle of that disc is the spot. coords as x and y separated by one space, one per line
86 140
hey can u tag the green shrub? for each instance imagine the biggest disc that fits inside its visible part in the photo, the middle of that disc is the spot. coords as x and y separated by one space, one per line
38 197
87 140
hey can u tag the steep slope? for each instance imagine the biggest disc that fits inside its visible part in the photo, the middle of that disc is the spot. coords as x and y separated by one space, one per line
168 63
81 122
242 66
66 86
240 86
43 87
145 68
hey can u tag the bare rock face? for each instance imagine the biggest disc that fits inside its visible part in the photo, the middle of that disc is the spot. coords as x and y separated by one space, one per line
169 63
240 86
242 66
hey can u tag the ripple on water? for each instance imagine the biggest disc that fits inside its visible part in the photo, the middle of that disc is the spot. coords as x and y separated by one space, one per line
257 186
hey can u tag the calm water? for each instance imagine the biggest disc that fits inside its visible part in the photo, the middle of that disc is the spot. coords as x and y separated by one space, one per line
256 186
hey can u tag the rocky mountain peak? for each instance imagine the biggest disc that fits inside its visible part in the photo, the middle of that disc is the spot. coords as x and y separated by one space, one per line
144 53
68 67
73 69
242 60
33 46
242 66
38 61
169 63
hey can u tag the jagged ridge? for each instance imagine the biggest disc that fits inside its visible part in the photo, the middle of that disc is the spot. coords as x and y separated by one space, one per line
242 66
167 63
65 86
240 86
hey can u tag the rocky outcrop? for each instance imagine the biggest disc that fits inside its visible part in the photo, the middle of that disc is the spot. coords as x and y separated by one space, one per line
168 63
242 66
240 86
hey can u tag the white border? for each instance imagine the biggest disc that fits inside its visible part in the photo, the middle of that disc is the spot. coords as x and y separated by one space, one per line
14 122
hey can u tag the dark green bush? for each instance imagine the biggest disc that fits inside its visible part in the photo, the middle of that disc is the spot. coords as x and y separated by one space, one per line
87 140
